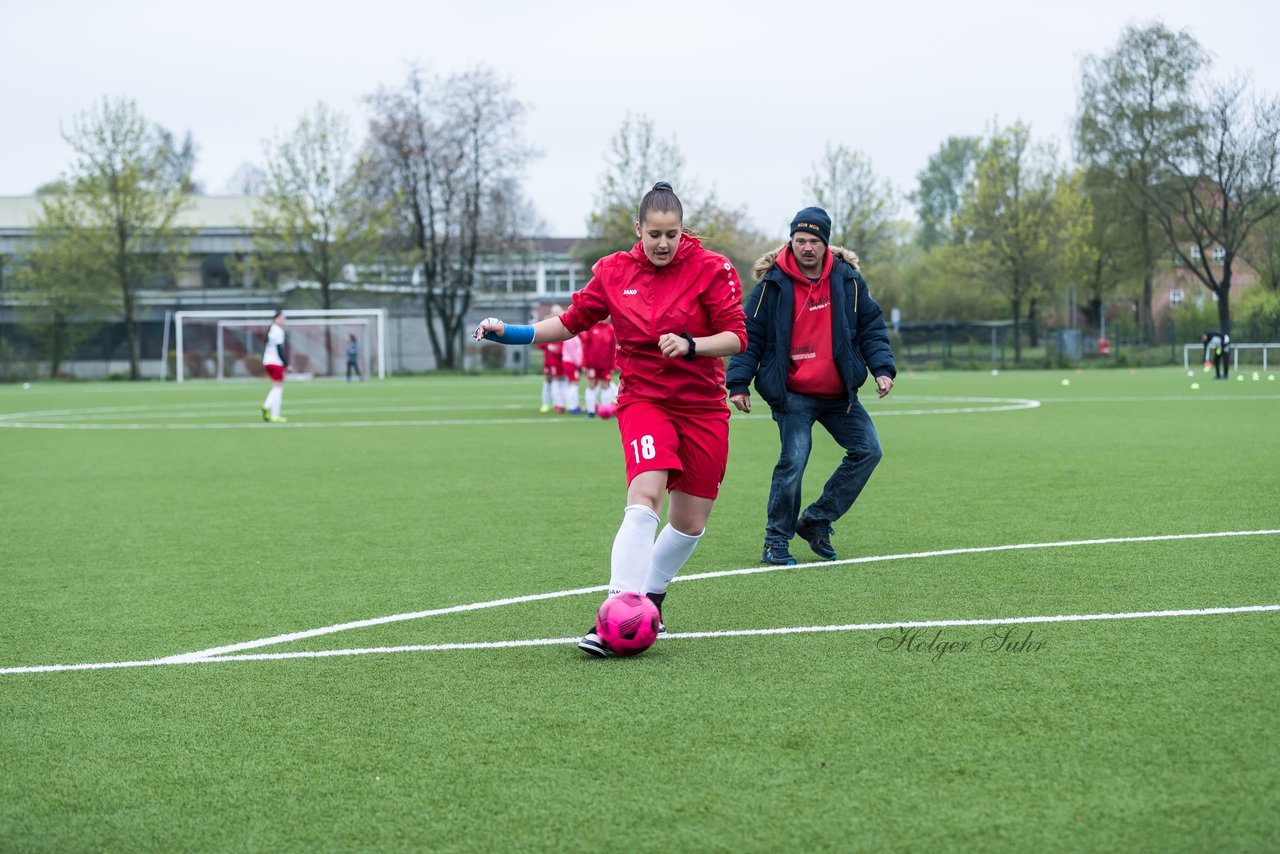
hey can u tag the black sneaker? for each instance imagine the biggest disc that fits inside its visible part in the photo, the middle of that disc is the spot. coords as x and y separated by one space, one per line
656 599
818 535
778 556
592 645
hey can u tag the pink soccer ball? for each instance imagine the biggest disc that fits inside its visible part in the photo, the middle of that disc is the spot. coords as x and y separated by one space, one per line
606 410
627 623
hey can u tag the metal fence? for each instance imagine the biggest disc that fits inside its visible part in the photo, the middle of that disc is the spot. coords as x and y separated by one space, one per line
1235 354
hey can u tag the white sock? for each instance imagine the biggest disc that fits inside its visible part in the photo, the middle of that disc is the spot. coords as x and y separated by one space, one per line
275 407
571 396
546 393
632 549
612 394
272 403
592 394
557 393
670 552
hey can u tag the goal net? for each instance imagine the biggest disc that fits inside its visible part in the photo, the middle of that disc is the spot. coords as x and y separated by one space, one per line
224 345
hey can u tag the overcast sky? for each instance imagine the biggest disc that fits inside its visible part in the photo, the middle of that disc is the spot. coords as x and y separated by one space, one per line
750 91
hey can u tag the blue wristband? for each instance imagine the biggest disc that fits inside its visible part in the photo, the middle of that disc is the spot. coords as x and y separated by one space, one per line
512 334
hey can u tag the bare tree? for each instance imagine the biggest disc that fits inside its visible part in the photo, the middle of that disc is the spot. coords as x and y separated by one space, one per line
486 122
446 151
637 159
1222 187
247 180
314 217
1263 251
861 206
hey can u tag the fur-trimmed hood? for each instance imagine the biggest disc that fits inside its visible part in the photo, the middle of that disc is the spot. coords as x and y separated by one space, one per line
765 262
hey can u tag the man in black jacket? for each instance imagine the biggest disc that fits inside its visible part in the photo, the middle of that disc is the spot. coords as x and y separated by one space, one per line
814 334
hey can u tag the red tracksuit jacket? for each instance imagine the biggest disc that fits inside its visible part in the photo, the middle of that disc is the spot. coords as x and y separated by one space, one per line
698 293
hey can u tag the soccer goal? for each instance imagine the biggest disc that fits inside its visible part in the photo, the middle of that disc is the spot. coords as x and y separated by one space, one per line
223 345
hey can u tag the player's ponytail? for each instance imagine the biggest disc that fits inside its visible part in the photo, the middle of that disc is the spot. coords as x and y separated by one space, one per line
661 199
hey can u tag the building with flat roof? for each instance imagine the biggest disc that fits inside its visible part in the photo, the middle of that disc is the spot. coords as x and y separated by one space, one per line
521 284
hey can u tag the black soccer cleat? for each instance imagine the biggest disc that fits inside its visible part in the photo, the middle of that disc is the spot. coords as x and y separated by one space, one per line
778 556
656 599
592 645
818 535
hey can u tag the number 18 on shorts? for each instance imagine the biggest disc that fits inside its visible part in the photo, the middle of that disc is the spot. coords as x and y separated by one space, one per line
693 447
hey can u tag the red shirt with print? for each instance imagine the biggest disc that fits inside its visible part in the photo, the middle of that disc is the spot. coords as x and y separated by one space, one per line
812 369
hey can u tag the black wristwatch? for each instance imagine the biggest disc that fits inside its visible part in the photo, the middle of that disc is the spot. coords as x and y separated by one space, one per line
693 348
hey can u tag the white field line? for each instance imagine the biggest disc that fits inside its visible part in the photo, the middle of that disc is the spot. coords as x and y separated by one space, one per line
727 633
239 412
741 633
83 419
1172 398
249 425
224 653
233 406
752 570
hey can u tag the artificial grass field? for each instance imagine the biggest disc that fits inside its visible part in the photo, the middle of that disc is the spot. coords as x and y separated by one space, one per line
148 521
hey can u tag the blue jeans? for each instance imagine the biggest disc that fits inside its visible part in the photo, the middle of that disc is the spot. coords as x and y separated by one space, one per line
851 427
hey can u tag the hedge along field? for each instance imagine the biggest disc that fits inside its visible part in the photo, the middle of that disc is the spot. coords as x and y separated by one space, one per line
150 522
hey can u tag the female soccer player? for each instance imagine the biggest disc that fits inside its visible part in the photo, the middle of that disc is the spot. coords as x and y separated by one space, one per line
275 361
600 353
677 311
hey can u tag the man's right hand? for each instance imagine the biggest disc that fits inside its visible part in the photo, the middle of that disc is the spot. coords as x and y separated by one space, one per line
742 402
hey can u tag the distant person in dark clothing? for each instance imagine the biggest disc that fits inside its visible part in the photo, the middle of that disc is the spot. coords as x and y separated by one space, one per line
1217 346
353 358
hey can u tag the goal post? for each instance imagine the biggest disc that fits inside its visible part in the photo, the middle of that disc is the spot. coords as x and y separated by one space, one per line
223 344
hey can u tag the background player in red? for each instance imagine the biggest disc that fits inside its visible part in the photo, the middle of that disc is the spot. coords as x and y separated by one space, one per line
571 355
552 365
677 312
601 347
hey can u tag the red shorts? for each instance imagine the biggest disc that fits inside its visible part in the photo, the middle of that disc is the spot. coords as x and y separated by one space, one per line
276 372
599 375
692 447
570 372
551 369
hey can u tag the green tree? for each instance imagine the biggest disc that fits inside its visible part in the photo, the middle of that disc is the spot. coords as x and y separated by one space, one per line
1009 223
1114 254
1075 244
113 221
941 189
730 232
313 217
1136 111
861 206
60 282
929 289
